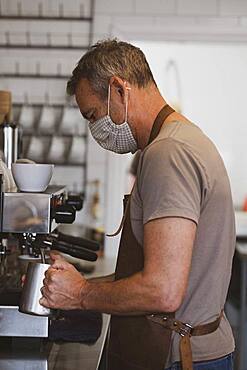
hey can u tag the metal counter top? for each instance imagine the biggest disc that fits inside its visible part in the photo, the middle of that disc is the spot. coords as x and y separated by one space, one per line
78 356
33 354
53 356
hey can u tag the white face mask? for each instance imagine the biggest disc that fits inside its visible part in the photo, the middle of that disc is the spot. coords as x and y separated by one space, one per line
113 137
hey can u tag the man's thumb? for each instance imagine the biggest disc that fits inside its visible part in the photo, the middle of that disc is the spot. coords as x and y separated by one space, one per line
55 256
60 264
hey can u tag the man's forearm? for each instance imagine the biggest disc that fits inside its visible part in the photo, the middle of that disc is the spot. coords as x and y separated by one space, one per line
103 279
135 295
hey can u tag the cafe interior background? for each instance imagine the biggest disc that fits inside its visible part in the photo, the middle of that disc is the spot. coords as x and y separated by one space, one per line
197 50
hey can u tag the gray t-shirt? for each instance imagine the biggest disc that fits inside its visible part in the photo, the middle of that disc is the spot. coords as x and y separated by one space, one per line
181 174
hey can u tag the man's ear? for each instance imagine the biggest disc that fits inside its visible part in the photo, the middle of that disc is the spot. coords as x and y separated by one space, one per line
118 87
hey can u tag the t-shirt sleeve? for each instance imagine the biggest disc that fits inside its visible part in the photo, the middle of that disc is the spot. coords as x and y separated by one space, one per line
170 182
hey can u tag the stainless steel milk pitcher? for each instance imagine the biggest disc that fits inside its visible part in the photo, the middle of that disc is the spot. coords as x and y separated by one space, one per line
31 293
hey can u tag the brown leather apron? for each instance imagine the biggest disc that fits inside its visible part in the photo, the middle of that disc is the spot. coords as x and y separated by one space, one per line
142 342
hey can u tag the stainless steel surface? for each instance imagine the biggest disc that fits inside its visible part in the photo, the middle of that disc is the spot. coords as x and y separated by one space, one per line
30 212
79 356
16 324
12 322
65 356
31 293
62 356
23 216
19 363
10 143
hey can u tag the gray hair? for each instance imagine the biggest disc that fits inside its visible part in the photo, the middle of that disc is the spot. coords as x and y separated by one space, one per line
109 58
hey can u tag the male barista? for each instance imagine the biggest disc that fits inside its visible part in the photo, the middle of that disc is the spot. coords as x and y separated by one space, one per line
168 293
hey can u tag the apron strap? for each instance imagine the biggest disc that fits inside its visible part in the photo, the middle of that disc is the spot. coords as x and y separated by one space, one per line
159 120
127 204
119 227
185 353
185 330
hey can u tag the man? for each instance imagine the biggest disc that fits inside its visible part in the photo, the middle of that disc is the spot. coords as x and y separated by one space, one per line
174 264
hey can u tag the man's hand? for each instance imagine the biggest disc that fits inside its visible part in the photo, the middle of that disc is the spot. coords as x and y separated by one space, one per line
63 286
54 255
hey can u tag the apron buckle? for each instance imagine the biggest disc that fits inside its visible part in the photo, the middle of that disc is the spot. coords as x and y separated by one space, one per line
184 329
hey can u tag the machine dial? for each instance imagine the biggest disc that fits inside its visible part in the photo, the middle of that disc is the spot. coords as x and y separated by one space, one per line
65 214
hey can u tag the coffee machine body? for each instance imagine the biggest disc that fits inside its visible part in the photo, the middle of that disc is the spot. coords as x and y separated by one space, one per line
33 212
29 228
24 217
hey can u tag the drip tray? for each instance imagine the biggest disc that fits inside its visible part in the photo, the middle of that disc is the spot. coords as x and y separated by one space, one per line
16 324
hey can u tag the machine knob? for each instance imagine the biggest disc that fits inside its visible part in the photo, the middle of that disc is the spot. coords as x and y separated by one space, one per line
65 214
75 200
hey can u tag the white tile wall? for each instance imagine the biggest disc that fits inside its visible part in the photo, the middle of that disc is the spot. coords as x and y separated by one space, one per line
46 7
211 20
224 23
243 21
233 7
114 6
102 26
155 7
130 19
198 7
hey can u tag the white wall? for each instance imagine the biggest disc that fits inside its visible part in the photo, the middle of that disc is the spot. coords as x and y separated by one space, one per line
215 20
213 80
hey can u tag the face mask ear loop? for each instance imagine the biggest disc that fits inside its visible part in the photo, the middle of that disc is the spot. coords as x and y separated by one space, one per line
126 105
108 100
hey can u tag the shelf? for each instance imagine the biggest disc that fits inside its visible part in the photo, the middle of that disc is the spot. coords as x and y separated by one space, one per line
29 75
44 47
43 18
67 43
40 134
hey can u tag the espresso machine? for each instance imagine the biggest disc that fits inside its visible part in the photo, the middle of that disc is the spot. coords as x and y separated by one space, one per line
28 230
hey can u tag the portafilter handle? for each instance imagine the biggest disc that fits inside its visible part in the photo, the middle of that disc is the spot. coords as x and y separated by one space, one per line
71 249
74 251
91 245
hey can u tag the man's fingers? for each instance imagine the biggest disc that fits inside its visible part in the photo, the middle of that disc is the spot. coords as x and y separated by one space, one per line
49 274
45 281
60 265
55 255
44 302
